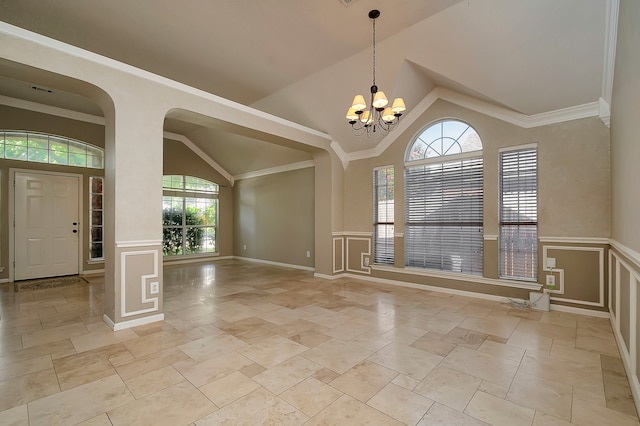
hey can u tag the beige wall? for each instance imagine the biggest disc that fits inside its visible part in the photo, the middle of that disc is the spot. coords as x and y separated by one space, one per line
625 129
624 276
573 201
274 217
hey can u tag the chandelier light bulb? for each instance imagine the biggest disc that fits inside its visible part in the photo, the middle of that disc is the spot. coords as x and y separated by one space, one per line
388 116
398 105
351 115
380 100
358 103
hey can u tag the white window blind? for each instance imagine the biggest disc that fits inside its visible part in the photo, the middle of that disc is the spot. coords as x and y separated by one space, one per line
519 214
383 215
444 228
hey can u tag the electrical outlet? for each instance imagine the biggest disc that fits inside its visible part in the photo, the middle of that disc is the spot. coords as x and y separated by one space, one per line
551 280
308 253
244 247
366 262
551 262
154 287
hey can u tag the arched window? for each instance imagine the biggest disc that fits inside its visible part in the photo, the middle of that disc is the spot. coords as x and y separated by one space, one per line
51 149
189 215
444 197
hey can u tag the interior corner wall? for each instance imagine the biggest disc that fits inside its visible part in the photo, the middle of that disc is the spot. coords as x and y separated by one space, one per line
624 256
625 129
274 218
178 159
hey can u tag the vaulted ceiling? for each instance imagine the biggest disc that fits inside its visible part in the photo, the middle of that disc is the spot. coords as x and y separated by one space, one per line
304 60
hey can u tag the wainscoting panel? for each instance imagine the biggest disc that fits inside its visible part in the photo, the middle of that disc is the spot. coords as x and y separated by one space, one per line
358 255
624 277
579 272
338 254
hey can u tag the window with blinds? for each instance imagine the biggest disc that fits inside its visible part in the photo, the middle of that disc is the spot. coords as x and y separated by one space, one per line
519 214
383 215
444 199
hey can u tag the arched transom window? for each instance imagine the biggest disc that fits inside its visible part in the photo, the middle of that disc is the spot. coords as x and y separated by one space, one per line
52 149
444 138
444 199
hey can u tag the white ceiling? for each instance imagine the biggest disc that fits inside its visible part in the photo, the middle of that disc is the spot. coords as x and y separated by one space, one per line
303 60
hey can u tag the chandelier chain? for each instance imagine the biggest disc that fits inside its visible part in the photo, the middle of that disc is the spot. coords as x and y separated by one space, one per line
374 51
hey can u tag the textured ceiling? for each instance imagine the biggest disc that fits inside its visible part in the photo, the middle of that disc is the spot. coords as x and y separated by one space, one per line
304 60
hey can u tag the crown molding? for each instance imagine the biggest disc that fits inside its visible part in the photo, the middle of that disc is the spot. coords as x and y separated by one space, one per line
274 170
51 110
200 153
521 120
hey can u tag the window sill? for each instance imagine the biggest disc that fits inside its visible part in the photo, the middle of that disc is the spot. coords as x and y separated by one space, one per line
458 277
95 261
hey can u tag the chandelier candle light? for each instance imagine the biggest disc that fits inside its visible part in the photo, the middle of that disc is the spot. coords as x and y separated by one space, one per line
378 117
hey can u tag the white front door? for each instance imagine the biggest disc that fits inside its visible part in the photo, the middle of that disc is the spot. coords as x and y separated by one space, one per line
46 225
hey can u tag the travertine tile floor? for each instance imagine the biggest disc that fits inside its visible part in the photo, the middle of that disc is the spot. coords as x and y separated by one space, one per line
248 344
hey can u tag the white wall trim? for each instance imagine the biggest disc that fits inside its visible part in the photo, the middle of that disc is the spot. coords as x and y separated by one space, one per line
138 243
277 169
92 272
132 323
458 277
337 148
341 268
363 269
181 260
269 262
560 271
579 311
575 240
143 283
200 153
51 110
352 234
483 107
610 41
628 354
631 254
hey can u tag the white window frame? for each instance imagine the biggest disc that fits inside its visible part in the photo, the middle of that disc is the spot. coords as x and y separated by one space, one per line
92 239
383 246
457 252
54 152
519 263
184 195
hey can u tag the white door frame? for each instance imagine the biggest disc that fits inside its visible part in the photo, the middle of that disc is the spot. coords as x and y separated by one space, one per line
11 205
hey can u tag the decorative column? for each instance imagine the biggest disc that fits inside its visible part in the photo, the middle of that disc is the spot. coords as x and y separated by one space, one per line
133 220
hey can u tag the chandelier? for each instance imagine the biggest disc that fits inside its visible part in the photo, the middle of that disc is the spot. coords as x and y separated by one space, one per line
378 117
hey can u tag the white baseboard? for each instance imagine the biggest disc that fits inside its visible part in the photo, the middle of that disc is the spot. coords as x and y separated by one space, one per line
484 296
269 262
132 323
